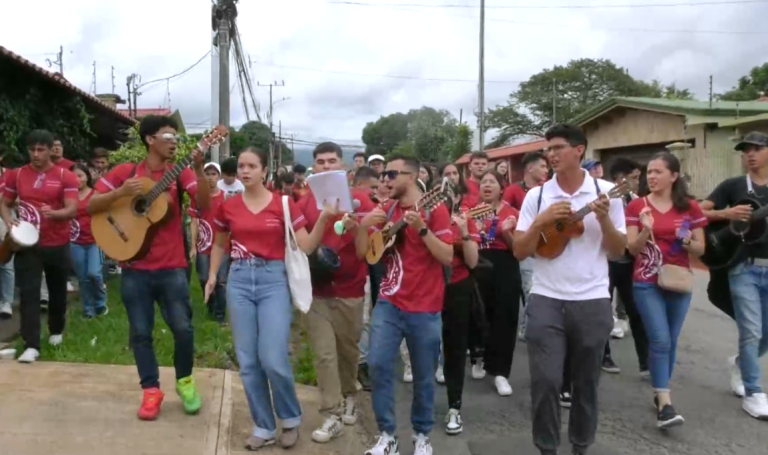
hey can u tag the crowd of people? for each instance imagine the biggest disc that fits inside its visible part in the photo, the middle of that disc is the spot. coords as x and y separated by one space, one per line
473 263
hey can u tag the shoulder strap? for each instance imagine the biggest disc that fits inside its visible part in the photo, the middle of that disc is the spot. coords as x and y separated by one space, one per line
597 187
133 171
180 195
538 202
391 210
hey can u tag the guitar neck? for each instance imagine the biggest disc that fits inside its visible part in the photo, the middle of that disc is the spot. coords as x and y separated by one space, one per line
168 178
762 212
581 213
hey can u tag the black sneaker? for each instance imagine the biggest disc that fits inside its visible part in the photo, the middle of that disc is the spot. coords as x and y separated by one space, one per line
565 399
609 366
668 418
363 378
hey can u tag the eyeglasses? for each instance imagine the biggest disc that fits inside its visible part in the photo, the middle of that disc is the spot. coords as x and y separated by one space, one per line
391 175
168 137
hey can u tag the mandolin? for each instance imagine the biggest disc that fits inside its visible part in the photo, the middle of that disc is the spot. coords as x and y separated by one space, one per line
556 235
125 231
380 241
726 241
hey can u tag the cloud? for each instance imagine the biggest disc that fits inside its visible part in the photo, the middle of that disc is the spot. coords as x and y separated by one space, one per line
159 38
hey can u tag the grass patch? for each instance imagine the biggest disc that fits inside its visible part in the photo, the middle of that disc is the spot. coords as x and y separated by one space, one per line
104 340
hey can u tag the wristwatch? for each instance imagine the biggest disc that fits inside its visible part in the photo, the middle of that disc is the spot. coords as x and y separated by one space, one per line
465 238
423 231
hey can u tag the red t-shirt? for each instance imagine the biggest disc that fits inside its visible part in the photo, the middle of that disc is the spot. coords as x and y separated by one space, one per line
205 223
514 195
257 235
489 229
167 248
420 287
473 188
349 279
300 190
80 226
35 189
459 269
469 201
65 163
667 249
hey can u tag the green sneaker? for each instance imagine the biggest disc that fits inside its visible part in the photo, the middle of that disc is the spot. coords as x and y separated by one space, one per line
187 391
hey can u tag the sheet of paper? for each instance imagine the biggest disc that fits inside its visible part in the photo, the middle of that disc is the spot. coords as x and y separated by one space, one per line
329 186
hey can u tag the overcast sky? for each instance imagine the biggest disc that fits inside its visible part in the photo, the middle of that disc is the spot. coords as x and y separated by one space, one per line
159 38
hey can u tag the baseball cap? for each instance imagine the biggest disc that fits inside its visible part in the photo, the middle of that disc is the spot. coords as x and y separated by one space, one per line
373 158
753 138
590 164
214 165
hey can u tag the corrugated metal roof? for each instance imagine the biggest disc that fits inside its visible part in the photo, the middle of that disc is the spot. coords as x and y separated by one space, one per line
509 150
59 80
149 111
744 120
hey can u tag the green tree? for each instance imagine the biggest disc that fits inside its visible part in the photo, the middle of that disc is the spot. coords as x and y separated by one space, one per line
383 135
572 89
750 87
133 150
463 142
255 134
425 133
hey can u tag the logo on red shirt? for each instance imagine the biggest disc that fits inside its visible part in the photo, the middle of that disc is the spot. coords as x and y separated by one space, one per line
204 235
390 284
28 213
74 230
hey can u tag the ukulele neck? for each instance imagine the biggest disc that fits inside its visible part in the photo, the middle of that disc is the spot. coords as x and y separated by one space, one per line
583 212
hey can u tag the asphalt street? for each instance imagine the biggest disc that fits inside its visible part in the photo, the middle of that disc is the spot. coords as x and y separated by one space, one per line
715 423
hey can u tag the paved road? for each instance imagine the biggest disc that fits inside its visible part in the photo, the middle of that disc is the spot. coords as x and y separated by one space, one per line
715 423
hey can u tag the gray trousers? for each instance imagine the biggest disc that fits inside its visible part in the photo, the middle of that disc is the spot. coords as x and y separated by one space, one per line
555 327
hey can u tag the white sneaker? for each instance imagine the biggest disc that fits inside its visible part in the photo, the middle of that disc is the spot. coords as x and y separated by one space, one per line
70 287
349 416
618 331
6 312
30 355
478 370
453 423
386 445
421 445
624 324
330 429
737 385
756 406
407 374
55 340
439 375
502 386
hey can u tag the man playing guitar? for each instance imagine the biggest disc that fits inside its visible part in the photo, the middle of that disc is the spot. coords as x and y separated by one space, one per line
747 287
161 275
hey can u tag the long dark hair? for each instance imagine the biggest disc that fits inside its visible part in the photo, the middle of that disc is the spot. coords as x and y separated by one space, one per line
88 177
681 199
459 190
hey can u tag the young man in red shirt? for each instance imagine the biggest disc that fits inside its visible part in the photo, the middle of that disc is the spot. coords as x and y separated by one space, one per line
300 187
335 320
202 241
478 163
161 275
409 305
47 199
57 155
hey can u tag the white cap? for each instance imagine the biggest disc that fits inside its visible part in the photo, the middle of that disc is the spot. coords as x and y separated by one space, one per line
215 165
375 158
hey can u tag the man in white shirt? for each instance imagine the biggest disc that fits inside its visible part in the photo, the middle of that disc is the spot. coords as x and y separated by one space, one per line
229 183
569 309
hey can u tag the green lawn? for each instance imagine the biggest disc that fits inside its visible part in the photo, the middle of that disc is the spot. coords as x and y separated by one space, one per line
105 339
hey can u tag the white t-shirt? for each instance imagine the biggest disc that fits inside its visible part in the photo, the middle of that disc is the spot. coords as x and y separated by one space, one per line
230 190
581 272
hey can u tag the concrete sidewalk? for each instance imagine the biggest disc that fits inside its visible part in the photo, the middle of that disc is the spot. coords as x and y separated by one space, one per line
77 409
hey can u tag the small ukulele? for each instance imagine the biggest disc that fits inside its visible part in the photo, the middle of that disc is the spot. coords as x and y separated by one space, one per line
481 212
125 231
556 235
380 241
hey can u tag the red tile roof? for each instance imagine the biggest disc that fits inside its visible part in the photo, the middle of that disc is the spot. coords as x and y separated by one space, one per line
150 111
509 150
58 79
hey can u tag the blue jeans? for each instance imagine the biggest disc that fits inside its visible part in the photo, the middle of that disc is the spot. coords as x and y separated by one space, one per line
260 312
217 303
749 291
663 314
7 283
140 289
389 325
89 261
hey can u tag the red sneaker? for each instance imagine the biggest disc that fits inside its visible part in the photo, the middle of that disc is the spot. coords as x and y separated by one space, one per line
150 404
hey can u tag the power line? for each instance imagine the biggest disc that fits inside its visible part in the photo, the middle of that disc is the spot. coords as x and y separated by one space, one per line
637 5
178 74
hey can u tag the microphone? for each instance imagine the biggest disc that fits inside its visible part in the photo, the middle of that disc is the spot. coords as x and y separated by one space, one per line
338 226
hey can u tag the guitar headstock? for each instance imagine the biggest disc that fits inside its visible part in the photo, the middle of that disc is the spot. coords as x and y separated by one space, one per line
480 212
216 136
620 189
433 197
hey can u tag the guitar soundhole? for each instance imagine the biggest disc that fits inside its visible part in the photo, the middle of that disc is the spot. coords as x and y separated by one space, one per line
140 206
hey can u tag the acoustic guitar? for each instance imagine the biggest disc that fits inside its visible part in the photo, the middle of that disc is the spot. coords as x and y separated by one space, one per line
727 241
556 235
380 241
125 231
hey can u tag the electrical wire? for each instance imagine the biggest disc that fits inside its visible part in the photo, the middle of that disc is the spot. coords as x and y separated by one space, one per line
178 74
637 5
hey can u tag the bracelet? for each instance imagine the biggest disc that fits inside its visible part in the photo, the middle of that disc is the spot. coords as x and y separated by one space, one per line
465 238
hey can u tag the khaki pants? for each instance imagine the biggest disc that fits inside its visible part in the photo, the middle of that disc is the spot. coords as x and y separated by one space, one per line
334 327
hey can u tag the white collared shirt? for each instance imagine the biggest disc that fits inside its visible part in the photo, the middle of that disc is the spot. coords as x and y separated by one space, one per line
581 272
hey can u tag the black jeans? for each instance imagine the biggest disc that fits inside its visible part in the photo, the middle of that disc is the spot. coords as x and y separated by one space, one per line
620 275
140 289
456 315
501 290
376 272
30 264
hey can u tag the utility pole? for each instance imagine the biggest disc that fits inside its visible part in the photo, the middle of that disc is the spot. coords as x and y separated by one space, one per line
130 103
224 82
710 91
59 60
133 90
280 144
94 77
461 113
113 80
481 85
272 148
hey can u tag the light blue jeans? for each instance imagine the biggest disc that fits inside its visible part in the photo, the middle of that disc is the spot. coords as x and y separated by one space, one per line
89 262
7 283
260 312
663 314
749 291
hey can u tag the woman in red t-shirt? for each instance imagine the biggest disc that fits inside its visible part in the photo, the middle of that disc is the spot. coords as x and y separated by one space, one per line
258 298
664 229
501 286
86 255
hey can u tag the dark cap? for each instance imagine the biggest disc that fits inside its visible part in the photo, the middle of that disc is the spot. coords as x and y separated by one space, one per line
590 164
753 138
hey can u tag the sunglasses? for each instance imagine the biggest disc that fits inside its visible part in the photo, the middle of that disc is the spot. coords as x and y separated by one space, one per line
391 175
168 137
